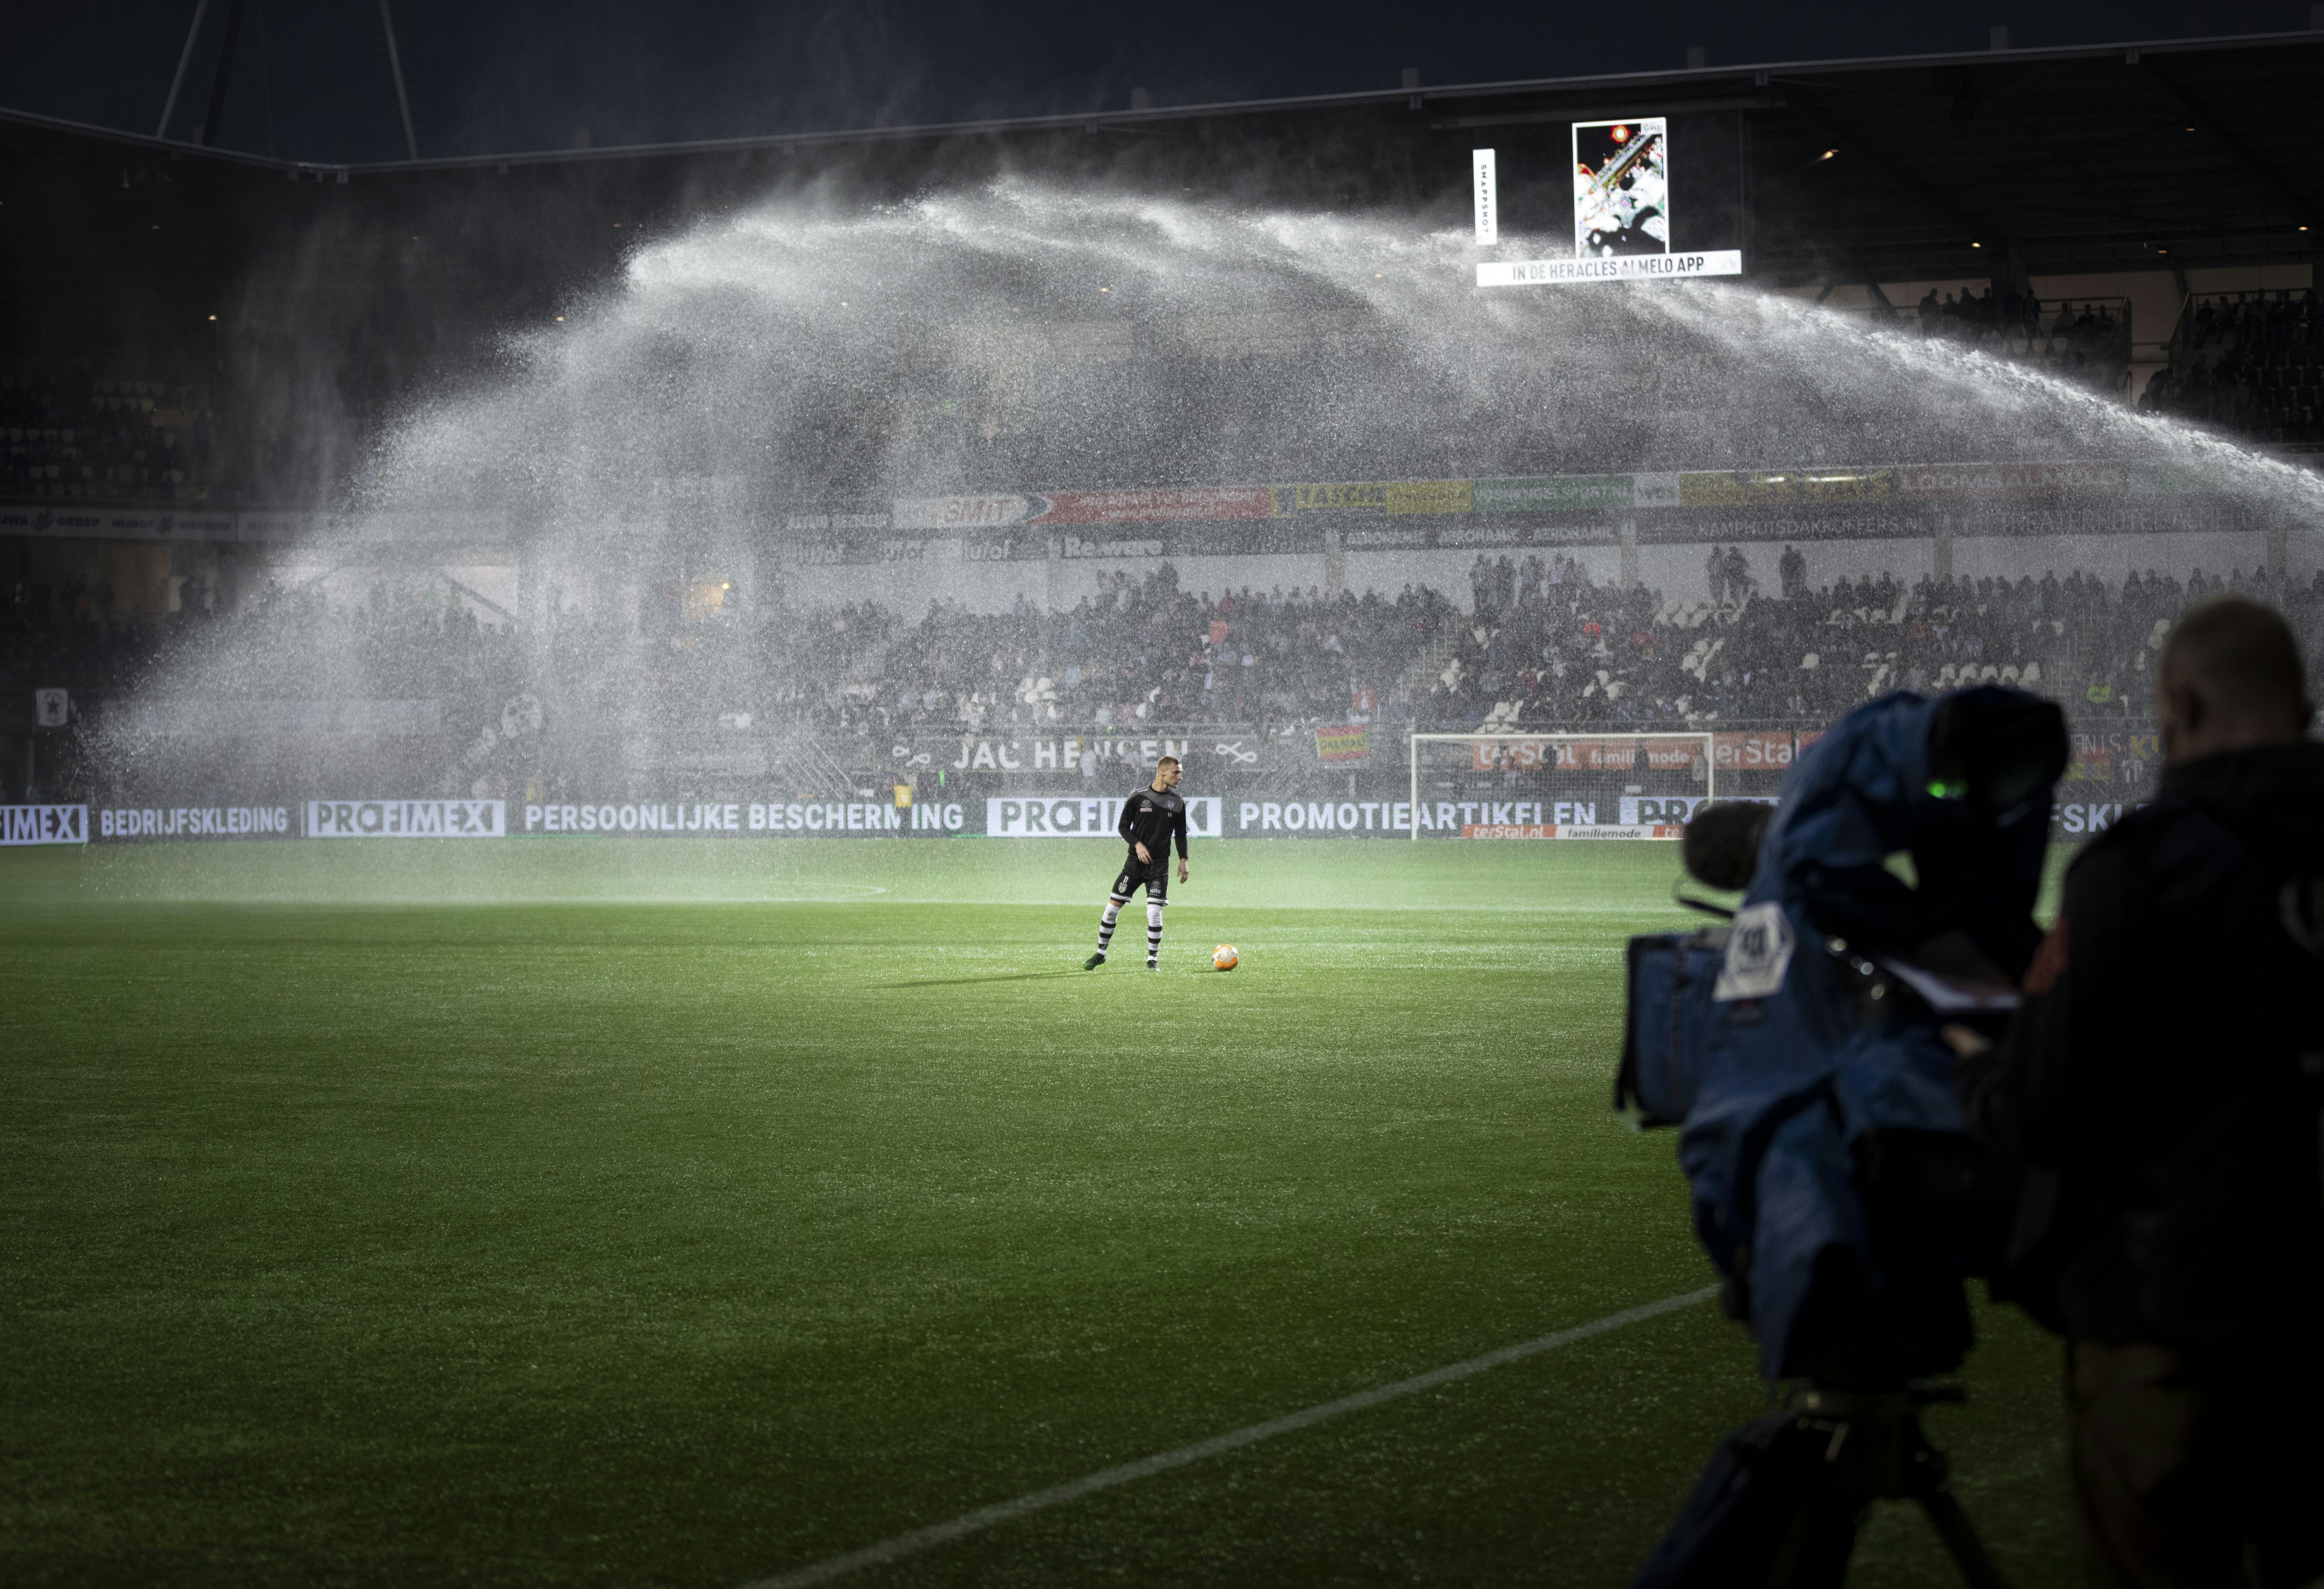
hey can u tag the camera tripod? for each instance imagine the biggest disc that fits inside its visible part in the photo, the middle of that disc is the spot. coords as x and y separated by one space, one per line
1878 1452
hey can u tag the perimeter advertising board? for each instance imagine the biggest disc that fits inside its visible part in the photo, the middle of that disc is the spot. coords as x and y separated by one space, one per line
1081 817
164 823
740 819
407 819
43 825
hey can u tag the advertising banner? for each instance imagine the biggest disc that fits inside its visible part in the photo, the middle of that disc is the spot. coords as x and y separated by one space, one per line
133 523
1081 817
1652 809
1955 480
1382 496
1338 746
1116 754
1277 819
1621 188
1648 267
407 819
1214 519
1154 505
43 825
194 822
1584 755
740 819
2122 757
1726 488
1161 506
2081 818
1592 830
1555 494
1766 751
962 513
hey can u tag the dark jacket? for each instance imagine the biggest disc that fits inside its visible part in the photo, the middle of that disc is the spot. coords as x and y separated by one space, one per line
2162 1078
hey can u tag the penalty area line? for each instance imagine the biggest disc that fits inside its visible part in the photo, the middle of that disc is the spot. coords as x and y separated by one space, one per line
973 1523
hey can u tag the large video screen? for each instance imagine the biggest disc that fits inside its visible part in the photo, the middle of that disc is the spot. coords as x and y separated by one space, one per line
1621 188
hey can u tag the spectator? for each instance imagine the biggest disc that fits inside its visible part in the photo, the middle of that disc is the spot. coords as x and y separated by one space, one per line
2153 1080
1714 569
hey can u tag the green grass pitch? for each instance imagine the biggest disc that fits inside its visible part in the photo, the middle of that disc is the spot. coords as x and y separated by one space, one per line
681 1212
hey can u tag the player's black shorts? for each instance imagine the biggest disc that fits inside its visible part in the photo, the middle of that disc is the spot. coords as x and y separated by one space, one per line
1154 878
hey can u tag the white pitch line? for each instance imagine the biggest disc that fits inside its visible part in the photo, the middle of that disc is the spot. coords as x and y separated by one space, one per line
967 1523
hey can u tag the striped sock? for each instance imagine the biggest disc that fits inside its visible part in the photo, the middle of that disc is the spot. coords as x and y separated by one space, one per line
1153 932
1105 924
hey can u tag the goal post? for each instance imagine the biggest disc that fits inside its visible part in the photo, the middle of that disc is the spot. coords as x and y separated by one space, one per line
1578 785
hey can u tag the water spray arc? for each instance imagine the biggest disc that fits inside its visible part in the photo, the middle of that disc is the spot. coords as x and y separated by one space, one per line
683 448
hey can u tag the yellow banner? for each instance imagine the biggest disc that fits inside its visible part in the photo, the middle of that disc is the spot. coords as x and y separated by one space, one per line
1728 488
1388 496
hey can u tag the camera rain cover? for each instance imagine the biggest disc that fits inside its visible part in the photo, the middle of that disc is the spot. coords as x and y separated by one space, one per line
1892 837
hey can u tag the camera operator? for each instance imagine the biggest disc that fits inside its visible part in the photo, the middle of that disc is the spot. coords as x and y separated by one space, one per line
2160 1084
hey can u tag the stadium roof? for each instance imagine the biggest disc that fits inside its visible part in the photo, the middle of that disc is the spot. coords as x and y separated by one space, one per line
2177 152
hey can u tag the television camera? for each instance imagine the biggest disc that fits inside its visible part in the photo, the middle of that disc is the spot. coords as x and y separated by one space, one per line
1797 1047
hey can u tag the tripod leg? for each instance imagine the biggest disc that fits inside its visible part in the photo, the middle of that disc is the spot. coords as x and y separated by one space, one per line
1822 1538
1968 1550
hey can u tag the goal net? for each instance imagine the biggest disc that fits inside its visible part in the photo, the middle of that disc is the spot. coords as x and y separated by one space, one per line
1559 785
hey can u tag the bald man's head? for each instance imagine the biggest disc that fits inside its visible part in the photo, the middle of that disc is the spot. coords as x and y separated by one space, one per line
2229 678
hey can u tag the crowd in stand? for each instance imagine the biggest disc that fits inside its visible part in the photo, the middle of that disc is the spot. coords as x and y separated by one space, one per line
1150 651
2249 364
1571 652
103 440
1544 647
2088 342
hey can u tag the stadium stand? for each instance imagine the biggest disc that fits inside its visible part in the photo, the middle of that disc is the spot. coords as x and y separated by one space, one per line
109 440
2247 362
2086 341
1545 648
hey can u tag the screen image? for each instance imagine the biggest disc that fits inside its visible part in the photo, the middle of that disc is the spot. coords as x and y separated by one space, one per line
1621 188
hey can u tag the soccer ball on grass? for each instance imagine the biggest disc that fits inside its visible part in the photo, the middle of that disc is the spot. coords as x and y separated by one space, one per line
1223 958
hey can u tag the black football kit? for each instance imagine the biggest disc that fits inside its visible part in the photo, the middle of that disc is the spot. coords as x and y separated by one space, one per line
1152 818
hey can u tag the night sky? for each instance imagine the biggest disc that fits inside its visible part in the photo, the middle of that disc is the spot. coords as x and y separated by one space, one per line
310 78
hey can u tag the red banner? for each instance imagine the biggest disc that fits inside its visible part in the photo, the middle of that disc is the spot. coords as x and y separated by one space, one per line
1164 505
2012 480
1584 755
1749 753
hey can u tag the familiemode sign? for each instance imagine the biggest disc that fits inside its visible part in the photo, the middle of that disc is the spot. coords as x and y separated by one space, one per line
407 819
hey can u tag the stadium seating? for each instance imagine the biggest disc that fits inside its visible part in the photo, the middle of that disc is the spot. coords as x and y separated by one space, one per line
109 440
1559 652
2247 362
